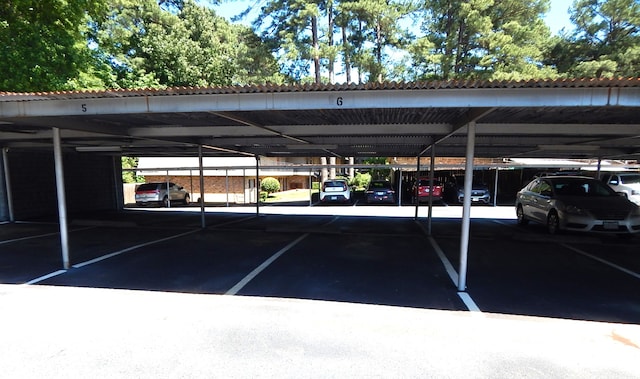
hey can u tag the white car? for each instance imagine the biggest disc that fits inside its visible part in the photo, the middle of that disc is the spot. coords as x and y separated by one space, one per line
161 193
576 203
335 191
625 182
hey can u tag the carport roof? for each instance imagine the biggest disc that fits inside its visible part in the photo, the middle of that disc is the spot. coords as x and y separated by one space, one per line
584 118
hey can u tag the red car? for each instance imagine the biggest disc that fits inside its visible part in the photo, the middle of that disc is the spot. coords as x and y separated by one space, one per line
424 189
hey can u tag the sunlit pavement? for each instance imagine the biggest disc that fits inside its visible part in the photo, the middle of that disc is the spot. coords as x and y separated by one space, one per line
439 211
67 332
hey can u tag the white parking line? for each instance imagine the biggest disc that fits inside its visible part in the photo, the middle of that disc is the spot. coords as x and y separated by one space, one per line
42 235
45 277
234 290
626 271
471 305
107 256
232 222
453 274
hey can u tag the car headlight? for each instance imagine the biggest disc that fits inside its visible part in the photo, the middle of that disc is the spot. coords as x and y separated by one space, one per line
575 210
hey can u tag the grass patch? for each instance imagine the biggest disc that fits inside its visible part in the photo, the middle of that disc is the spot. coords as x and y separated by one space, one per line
291 195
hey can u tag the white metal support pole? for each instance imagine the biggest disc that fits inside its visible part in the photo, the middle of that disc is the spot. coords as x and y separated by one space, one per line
400 188
191 183
415 191
168 189
201 168
7 182
495 189
432 168
62 202
466 206
226 182
310 189
257 185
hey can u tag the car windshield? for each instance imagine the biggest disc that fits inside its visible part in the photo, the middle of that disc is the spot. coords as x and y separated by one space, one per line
582 188
148 187
630 179
336 183
425 182
380 185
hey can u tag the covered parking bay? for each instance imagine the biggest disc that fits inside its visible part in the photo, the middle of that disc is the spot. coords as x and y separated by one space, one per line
279 262
581 118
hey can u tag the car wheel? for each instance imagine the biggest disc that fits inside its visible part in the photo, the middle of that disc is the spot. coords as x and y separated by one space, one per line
165 202
520 215
187 199
553 223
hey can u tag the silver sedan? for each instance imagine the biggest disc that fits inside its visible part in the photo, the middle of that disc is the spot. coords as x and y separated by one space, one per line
576 203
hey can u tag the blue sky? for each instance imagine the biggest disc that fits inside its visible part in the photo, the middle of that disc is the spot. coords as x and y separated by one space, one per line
557 18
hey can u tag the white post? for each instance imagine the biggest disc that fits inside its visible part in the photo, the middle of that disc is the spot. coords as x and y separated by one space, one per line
7 182
226 175
166 178
416 191
466 206
310 189
62 202
495 189
257 185
400 188
432 167
201 168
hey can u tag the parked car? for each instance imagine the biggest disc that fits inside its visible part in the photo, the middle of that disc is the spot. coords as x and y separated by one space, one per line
424 190
380 191
625 182
576 203
454 190
156 193
335 190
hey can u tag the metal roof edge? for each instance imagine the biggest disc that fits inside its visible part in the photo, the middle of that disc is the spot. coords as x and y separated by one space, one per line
271 88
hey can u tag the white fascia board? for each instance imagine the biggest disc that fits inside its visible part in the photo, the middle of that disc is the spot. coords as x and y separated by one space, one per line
557 129
440 98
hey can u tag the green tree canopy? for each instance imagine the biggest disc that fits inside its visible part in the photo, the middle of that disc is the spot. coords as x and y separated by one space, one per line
605 43
43 44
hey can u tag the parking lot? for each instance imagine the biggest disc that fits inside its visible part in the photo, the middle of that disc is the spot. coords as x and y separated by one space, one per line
347 255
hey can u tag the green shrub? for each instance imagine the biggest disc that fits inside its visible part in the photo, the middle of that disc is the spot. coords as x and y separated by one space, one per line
270 185
361 180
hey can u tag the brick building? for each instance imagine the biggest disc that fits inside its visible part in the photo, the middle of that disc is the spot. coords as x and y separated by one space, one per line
226 180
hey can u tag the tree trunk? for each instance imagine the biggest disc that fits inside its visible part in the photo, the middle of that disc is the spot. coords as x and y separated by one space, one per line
316 48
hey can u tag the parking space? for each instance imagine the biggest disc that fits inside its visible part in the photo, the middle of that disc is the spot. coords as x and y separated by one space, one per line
335 257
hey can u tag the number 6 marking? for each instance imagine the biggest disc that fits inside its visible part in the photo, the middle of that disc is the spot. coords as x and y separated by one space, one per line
339 101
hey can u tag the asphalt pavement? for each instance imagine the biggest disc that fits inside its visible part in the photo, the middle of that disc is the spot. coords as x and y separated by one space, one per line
315 292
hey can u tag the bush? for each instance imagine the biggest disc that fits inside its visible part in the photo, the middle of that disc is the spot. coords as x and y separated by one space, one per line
270 185
361 180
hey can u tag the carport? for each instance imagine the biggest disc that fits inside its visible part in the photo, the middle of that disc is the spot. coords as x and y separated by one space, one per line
596 119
